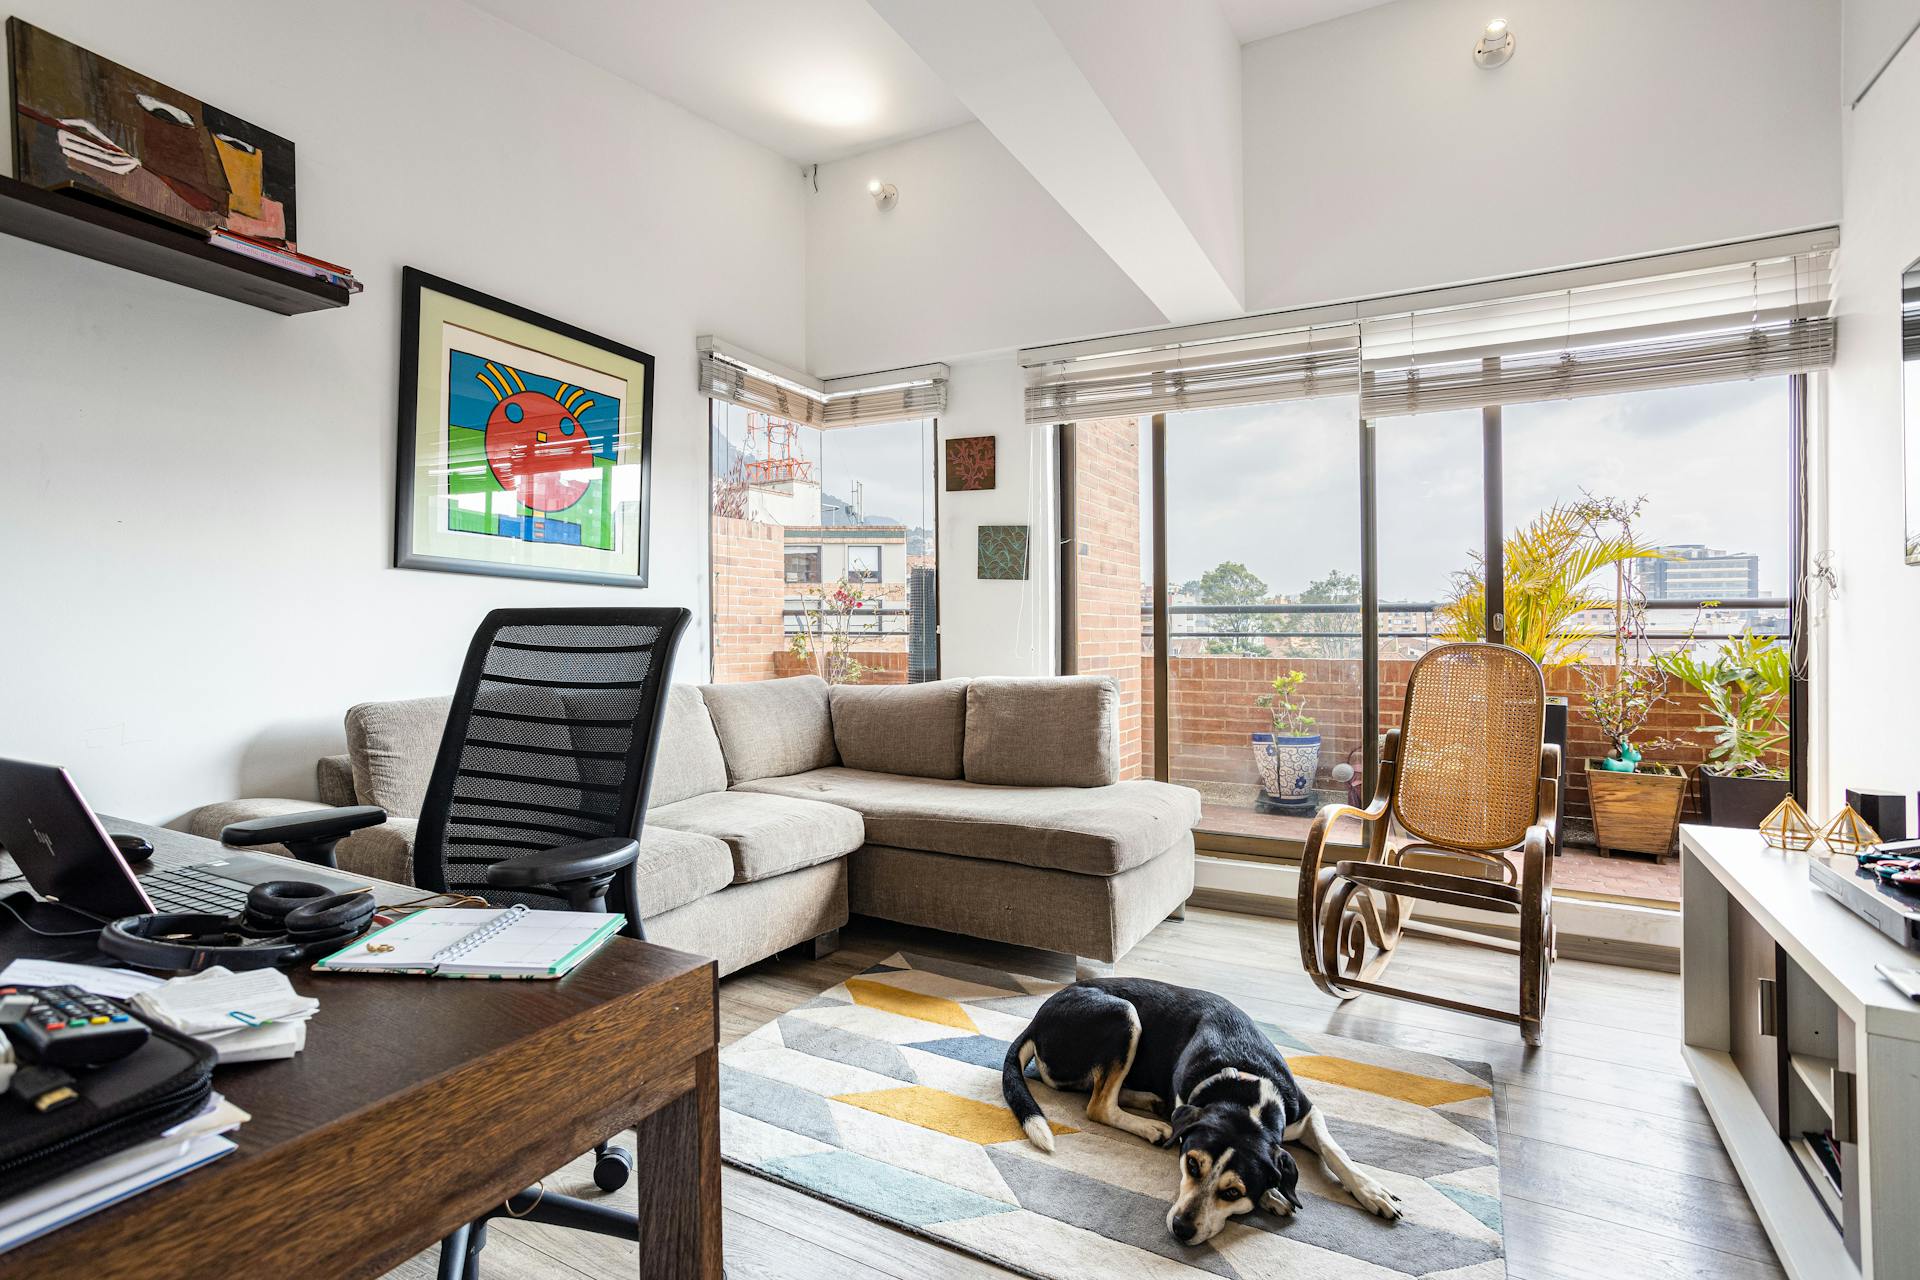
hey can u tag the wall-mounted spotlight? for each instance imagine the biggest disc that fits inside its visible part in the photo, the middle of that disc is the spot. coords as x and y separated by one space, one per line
885 194
1496 45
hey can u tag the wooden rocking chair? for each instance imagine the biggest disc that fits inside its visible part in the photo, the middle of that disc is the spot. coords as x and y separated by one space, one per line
1464 782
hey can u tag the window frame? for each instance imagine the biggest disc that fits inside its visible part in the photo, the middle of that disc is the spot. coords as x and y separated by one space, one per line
1287 849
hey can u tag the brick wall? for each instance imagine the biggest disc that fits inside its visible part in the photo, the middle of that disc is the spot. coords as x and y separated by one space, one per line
749 591
1213 712
1106 521
878 666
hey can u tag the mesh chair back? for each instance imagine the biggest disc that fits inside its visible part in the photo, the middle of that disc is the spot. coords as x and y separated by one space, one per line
550 740
1469 769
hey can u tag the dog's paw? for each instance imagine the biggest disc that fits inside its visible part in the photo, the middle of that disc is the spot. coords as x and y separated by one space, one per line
1278 1205
1374 1198
1158 1132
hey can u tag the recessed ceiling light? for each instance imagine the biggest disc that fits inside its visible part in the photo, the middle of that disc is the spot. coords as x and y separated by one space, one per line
1496 45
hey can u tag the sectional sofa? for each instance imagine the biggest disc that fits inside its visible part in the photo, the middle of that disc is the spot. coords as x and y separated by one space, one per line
988 807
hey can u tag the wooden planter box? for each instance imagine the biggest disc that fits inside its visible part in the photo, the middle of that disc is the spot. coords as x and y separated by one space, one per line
1635 812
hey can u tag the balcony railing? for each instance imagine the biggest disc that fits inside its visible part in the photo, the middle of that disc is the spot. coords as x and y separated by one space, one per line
1765 615
861 622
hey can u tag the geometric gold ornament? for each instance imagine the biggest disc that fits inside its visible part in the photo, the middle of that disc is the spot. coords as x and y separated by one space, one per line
1848 832
1788 827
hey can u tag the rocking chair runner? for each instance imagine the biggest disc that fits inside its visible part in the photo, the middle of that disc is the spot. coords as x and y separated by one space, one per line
1464 782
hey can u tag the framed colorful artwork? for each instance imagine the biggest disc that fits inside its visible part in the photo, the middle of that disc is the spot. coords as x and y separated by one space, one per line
1003 552
970 463
525 443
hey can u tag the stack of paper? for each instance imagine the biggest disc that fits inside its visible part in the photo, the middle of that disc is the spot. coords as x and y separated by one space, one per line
247 1017
71 1196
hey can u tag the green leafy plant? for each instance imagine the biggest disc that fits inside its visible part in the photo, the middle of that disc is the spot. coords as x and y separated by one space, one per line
1622 695
1745 684
1287 709
1548 566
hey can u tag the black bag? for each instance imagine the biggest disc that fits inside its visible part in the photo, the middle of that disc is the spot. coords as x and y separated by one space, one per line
164 1082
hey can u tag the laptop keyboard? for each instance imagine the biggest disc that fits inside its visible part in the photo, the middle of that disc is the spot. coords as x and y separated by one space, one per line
195 889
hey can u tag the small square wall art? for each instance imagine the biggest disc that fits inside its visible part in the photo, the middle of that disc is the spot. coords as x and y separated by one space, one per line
970 463
1003 551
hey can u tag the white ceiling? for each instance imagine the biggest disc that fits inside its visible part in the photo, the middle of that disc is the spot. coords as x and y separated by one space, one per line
814 81
1257 19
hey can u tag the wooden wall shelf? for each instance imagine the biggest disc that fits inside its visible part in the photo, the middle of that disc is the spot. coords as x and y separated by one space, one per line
125 239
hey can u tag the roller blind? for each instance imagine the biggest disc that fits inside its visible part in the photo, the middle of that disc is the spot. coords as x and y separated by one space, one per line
1733 321
1288 364
762 392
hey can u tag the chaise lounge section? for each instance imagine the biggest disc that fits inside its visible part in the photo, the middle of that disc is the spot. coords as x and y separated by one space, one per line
987 807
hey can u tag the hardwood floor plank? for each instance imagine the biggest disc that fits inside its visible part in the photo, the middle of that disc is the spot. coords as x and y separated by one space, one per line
1547 1243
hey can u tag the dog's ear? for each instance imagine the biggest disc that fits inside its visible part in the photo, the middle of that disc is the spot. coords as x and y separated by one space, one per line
1288 1183
1183 1119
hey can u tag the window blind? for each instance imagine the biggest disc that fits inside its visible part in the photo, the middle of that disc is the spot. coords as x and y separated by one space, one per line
1288 364
1732 311
1741 320
838 402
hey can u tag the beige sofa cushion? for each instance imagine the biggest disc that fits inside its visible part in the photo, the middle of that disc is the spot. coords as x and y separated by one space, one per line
678 867
393 745
1091 830
918 730
688 761
770 728
1050 731
768 834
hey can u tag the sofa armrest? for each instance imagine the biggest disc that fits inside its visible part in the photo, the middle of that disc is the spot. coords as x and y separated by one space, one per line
335 776
384 852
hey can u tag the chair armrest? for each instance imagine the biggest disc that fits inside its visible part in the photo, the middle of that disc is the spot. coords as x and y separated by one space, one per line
1323 821
309 835
567 866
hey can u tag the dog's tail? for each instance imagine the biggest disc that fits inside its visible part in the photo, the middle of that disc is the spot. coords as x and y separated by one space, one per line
1013 1086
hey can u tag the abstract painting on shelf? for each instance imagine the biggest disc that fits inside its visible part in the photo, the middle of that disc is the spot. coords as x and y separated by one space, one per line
524 442
91 126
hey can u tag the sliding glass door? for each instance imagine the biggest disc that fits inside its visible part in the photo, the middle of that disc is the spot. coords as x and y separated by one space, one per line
1257 536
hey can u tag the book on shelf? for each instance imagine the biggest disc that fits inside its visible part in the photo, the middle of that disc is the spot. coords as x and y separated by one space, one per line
288 259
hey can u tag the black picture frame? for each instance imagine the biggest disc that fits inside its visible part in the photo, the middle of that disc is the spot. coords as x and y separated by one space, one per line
413 284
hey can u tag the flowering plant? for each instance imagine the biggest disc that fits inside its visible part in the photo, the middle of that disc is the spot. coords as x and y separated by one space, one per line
826 632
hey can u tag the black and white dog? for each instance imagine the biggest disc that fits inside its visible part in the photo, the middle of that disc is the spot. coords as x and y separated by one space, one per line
1195 1059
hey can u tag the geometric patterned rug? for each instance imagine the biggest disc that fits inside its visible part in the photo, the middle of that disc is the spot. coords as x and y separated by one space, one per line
883 1096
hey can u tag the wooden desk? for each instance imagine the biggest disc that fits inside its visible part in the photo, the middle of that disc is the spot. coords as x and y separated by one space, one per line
419 1103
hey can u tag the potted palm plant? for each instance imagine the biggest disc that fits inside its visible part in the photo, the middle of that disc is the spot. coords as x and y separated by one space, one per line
1548 565
1745 686
1289 756
1635 801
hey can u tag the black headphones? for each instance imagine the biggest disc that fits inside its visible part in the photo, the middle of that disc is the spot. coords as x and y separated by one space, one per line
285 923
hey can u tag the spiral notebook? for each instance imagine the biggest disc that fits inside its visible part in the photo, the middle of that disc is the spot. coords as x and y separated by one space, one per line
461 942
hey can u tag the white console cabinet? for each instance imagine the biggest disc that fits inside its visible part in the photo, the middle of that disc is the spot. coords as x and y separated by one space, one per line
1789 1031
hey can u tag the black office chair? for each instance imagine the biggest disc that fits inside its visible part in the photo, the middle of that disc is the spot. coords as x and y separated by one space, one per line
538 795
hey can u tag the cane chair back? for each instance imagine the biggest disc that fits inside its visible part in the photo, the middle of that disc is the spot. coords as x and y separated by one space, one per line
1468 774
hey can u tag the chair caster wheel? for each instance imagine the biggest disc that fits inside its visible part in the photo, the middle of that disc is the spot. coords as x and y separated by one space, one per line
613 1168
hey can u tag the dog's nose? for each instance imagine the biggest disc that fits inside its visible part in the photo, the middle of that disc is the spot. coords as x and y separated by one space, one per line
1182 1228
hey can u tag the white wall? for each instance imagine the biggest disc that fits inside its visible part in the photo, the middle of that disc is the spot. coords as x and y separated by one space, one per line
998 628
1872 685
975 258
198 521
1380 158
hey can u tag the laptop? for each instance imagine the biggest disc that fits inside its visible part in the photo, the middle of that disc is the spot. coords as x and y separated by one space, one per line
65 854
